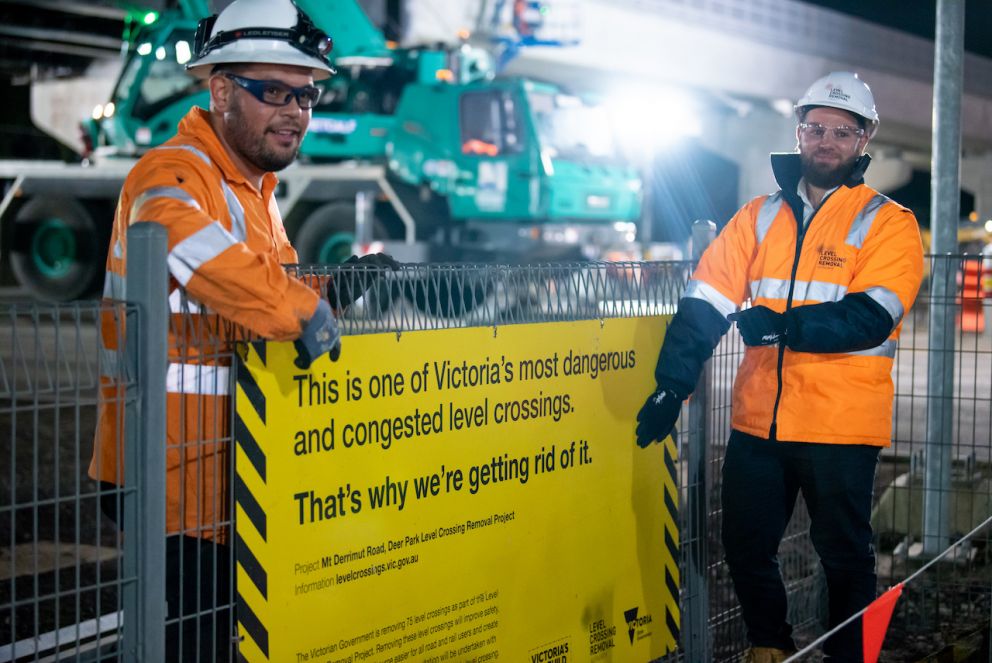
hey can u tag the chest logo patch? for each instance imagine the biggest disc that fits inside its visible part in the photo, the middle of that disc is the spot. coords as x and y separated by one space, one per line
829 258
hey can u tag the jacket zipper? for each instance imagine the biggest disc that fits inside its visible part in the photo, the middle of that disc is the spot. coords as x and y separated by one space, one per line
800 236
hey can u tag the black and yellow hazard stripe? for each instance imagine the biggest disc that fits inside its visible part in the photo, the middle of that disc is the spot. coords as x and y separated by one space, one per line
673 617
251 530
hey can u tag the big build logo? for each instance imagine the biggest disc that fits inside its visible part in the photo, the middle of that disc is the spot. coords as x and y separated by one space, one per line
636 626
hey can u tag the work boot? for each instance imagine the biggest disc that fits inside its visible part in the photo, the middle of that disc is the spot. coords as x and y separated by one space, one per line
766 655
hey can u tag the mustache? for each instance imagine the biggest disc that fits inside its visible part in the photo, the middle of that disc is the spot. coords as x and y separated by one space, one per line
291 127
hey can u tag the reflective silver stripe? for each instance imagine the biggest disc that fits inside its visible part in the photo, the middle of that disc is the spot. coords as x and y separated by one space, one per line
818 291
197 379
706 292
188 148
887 349
236 211
118 250
770 288
170 192
889 301
110 363
234 206
205 244
187 305
862 222
769 210
114 286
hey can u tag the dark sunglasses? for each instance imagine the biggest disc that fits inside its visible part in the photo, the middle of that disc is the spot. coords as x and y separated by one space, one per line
275 93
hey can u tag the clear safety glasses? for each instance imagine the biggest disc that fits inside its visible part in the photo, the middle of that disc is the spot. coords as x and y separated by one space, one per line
275 93
814 131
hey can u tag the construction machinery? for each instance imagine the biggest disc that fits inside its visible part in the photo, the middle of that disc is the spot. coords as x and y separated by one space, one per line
420 151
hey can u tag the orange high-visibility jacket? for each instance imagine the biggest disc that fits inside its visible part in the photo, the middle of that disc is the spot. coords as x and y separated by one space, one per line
227 245
859 261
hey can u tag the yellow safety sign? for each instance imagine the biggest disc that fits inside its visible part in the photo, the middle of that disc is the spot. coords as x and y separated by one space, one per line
456 495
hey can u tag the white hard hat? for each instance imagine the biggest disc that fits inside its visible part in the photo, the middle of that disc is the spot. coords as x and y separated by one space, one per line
264 31
843 90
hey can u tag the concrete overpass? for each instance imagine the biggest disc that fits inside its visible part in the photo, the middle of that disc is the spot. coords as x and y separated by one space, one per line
746 58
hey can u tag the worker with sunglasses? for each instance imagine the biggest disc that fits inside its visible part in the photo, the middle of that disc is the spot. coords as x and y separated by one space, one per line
212 188
829 268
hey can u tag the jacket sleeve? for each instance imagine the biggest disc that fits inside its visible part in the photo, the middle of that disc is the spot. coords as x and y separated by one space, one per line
690 339
856 322
717 288
887 276
248 287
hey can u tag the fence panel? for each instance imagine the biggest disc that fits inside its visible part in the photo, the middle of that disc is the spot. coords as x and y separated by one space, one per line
61 577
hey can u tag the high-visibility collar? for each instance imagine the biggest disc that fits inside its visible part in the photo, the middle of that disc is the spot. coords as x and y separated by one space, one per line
195 126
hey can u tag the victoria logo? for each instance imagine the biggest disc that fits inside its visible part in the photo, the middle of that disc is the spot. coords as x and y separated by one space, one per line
634 622
630 616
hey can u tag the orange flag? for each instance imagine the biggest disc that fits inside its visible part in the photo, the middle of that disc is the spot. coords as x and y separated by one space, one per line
875 622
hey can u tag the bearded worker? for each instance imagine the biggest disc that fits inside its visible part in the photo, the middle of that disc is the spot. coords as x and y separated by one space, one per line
829 267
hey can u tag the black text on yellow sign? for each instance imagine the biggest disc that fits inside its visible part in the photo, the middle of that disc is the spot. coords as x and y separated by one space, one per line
456 495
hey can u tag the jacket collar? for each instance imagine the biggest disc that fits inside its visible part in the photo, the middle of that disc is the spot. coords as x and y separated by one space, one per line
196 126
787 169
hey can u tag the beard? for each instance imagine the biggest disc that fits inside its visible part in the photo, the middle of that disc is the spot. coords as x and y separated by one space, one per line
254 148
823 176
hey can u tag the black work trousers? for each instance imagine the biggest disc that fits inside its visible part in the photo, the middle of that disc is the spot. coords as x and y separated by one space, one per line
761 480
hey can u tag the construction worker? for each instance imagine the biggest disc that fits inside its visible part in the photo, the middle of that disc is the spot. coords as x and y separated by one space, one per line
212 188
830 267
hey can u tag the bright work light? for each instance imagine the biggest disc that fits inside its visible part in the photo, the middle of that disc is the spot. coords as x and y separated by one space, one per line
649 119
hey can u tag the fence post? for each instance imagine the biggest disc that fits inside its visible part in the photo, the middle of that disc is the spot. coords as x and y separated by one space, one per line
695 623
143 599
948 85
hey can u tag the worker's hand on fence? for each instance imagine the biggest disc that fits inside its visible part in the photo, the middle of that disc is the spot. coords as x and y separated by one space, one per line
657 417
759 325
353 283
320 335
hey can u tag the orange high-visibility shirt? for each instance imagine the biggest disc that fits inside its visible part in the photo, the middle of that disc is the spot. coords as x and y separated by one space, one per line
227 245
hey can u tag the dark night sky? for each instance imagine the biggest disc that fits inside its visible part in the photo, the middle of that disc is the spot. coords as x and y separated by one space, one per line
918 17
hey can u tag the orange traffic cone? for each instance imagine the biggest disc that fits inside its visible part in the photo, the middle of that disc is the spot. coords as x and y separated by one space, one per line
972 317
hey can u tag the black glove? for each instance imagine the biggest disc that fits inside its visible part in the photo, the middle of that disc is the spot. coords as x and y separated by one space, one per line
354 283
320 335
759 325
657 417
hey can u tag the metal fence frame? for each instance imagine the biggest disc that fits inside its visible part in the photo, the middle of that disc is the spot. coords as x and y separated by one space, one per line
496 295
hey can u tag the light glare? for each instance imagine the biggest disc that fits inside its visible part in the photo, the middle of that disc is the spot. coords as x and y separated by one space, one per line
648 119
183 52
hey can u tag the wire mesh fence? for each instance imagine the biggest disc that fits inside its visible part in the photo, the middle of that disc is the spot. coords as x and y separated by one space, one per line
62 571
61 576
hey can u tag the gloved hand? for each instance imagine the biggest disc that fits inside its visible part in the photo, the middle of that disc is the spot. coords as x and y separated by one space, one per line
353 284
320 335
657 417
759 325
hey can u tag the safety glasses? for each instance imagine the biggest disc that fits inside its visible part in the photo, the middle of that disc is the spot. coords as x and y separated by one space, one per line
816 131
275 93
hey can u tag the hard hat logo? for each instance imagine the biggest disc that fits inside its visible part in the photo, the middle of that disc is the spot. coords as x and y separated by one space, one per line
262 31
843 90
838 94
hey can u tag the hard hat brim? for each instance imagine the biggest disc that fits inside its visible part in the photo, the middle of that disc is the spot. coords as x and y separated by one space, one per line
259 51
